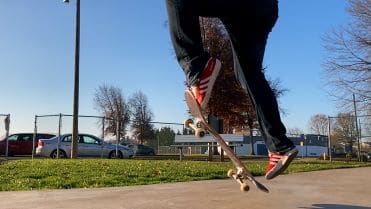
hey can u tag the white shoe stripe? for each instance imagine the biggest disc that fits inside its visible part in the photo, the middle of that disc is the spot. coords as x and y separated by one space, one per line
205 81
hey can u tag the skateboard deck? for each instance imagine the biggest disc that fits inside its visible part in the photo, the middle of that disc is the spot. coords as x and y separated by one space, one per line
242 175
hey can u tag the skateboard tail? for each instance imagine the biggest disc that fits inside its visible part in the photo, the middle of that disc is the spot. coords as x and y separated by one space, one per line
260 186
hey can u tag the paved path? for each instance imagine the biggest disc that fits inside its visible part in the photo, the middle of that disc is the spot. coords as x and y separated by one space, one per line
331 189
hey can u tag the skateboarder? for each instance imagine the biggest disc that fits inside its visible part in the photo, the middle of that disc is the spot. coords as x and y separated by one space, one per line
248 23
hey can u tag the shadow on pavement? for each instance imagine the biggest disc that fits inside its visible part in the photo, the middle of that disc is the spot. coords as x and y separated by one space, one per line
334 206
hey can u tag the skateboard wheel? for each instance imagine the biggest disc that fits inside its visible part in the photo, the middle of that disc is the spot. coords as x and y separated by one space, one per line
230 173
187 122
245 187
199 132
199 124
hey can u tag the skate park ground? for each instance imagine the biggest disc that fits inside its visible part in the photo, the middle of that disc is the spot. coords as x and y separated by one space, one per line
330 189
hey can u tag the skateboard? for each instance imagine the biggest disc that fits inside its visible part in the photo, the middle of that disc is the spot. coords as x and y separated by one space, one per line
241 174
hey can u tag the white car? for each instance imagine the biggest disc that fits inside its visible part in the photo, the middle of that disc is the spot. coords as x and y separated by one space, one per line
88 146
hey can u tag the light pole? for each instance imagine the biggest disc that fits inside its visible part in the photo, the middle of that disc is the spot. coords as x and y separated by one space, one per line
75 122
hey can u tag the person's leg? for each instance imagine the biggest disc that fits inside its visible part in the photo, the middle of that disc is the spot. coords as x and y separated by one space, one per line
248 29
186 37
249 36
200 69
249 33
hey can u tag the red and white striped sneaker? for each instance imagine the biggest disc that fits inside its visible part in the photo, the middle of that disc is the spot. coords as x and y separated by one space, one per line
279 162
202 90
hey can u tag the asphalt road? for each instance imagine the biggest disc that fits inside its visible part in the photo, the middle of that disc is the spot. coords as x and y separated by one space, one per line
331 189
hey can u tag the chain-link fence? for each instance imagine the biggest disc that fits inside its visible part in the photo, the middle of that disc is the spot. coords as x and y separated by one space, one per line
162 133
163 137
350 136
186 149
60 124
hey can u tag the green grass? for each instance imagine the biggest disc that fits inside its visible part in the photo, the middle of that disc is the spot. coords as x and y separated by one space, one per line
89 173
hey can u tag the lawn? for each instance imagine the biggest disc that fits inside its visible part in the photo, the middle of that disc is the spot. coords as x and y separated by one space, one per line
89 173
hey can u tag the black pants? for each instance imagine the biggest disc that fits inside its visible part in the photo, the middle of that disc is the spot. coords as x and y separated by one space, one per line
248 23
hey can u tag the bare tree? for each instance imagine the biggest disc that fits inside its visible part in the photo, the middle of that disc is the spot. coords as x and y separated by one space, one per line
110 102
347 66
344 129
142 115
295 131
319 124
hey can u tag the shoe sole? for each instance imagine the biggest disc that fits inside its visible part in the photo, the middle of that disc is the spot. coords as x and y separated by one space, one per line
282 164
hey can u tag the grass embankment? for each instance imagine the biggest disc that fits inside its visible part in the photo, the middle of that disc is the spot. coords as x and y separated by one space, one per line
90 173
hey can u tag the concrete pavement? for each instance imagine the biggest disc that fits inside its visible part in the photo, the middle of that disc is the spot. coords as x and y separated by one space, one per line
331 189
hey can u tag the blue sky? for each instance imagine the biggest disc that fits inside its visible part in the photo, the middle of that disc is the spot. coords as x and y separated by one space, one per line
126 44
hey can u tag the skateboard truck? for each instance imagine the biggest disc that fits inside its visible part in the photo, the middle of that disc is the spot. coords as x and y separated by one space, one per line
244 186
199 130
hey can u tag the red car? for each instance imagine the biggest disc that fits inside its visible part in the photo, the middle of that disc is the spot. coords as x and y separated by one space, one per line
21 143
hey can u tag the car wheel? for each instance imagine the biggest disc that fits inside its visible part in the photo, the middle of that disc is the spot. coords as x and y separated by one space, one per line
112 155
151 153
62 154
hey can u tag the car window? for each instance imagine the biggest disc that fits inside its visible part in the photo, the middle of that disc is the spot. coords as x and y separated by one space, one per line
25 137
67 139
90 140
13 137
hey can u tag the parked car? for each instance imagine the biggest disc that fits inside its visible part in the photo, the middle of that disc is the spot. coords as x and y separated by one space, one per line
140 149
21 143
88 146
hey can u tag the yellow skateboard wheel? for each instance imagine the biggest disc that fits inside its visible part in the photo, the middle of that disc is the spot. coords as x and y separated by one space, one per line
199 132
230 173
187 123
245 187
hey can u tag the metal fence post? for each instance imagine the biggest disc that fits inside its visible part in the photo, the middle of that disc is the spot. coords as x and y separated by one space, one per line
117 135
7 126
34 137
329 139
102 143
59 134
